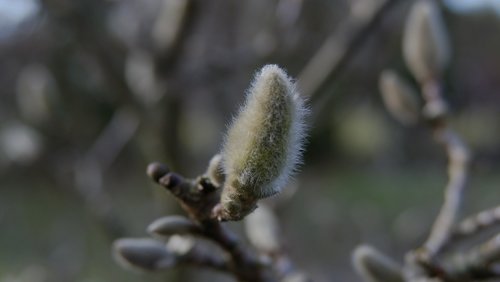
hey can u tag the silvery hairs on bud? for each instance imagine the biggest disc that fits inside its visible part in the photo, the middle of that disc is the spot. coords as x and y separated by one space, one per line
426 48
215 171
264 143
399 98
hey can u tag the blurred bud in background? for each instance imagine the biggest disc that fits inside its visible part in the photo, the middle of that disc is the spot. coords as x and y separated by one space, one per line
141 77
426 47
167 25
20 144
36 94
399 98
262 229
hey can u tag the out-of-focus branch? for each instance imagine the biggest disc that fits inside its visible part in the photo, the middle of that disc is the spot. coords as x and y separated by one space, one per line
90 168
473 225
458 158
338 50
476 263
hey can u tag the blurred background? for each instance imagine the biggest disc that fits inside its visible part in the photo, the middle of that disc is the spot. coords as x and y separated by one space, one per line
94 90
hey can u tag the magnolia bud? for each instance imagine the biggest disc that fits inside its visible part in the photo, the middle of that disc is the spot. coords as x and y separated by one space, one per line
263 145
374 266
399 98
215 171
171 225
143 254
425 43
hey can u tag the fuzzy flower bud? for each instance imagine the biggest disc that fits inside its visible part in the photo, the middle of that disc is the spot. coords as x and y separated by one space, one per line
399 98
426 48
263 145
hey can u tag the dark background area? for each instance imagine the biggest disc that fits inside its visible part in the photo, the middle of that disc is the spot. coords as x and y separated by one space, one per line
92 91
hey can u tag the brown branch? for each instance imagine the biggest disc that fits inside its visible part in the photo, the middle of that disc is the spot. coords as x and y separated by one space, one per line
458 158
198 198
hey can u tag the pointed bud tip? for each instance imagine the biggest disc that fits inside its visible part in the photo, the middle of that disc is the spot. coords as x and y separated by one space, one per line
156 170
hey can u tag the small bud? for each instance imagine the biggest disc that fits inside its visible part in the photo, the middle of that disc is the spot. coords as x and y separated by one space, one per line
171 225
215 171
264 143
297 277
180 245
262 229
399 98
373 266
426 48
36 94
156 171
21 144
143 254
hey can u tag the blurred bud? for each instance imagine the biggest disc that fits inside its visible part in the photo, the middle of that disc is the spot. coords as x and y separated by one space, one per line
171 225
168 24
215 171
20 144
264 143
399 98
296 277
374 266
141 77
180 245
35 93
426 48
362 10
143 254
156 171
262 229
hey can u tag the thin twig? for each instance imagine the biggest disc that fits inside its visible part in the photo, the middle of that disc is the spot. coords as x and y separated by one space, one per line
421 263
198 198
90 168
458 158
457 176
338 50
477 223
476 263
